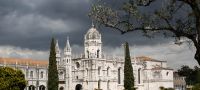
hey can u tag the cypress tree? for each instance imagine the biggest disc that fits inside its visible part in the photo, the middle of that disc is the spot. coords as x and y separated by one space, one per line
52 69
128 70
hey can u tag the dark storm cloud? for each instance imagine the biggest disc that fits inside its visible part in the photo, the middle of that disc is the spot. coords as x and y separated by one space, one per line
65 9
9 6
31 24
26 27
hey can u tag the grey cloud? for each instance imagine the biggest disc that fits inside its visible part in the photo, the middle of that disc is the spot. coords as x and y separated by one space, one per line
32 21
30 24
37 21
18 52
175 55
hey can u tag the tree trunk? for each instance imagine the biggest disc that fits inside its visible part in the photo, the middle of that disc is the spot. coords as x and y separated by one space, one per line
197 45
197 55
196 11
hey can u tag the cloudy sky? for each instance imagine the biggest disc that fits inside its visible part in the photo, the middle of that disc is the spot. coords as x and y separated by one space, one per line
26 27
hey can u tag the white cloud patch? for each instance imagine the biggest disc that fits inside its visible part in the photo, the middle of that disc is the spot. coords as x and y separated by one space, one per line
175 55
17 52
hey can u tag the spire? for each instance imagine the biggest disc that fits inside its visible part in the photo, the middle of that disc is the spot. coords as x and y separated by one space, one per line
58 56
57 46
93 24
68 48
68 42
134 57
134 53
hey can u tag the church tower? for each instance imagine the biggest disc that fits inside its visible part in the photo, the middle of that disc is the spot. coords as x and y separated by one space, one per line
67 53
58 55
93 44
68 65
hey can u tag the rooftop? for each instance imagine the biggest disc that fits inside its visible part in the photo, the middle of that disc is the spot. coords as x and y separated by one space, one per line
146 58
23 61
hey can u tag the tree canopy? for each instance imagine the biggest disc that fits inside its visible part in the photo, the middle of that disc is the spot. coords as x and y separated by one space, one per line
128 70
11 79
179 19
52 69
196 87
191 74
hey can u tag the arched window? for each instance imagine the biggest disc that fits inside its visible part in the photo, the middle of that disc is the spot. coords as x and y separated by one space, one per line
77 65
167 73
99 70
99 84
31 74
42 87
41 74
88 54
86 82
157 74
78 87
31 87
119 76
139 71
57 62
98 53
108 85
73 68
86 72
61 88
61 75
108 71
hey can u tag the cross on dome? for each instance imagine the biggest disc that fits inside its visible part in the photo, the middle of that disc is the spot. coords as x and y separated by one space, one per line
93 33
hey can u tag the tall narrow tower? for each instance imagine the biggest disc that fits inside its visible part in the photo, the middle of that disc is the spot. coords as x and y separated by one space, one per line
58 55
68 65
67 53
93 43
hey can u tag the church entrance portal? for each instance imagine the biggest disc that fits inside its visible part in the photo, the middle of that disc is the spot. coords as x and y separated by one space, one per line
78 87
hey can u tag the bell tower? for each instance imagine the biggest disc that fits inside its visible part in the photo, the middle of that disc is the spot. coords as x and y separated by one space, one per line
58 55
67 53
93 44
68 64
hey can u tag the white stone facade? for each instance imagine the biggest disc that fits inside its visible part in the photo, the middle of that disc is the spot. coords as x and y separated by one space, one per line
93 70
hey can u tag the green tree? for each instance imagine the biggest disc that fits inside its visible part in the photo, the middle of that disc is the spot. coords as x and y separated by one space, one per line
188 73
173 18
197 75
196 87
52 69
128 70
11 79
192 75
161 88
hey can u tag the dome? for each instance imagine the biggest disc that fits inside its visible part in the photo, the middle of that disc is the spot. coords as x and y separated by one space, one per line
93 33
